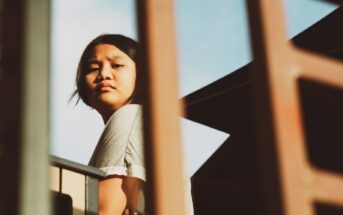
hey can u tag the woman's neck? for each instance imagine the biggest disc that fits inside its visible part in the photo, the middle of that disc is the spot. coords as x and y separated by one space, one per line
106 114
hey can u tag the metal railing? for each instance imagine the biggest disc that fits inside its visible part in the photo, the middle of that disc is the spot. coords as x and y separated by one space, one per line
78 181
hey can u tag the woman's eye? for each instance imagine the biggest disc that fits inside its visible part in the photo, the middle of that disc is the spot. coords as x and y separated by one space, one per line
92 69
115 65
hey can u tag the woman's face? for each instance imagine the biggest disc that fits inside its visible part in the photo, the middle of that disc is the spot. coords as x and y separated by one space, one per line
110 78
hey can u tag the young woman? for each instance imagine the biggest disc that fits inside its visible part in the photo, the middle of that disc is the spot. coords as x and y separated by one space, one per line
107 80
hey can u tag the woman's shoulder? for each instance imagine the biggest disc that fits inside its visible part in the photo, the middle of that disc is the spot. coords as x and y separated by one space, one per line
118 129
126 113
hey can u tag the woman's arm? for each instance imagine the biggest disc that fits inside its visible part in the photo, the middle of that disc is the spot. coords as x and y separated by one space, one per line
112 199
116 192
132 188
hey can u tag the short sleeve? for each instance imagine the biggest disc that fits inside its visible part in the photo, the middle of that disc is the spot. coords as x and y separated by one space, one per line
120 148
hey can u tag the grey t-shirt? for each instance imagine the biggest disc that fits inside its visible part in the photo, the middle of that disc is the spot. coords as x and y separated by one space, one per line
120 150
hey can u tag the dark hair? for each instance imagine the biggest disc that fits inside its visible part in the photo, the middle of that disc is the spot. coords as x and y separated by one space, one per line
126 45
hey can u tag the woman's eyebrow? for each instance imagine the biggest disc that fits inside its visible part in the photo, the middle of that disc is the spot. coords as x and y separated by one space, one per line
92 60
115 57
111 58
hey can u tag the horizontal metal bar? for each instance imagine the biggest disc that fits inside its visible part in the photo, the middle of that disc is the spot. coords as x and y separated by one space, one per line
76 167
317 67
328 187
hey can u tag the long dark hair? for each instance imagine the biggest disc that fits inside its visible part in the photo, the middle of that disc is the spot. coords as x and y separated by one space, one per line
126 45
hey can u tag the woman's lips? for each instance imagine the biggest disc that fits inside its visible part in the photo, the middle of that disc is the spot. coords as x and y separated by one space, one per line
104 87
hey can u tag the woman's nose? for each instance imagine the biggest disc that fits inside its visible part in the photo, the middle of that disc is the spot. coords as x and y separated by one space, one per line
105 72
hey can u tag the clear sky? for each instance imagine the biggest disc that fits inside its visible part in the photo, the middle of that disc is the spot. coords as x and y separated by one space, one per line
212 39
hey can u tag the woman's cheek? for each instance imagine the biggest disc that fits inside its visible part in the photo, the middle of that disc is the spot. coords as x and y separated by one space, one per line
89 83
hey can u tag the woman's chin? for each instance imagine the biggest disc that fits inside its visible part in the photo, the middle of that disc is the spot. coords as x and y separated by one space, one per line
111 103
108 98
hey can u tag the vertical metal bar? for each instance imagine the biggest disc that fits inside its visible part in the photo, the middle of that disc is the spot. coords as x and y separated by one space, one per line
162 111
60 180
34 196
10 99
283 159
92 196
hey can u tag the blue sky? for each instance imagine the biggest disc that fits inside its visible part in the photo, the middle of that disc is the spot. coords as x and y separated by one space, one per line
212 39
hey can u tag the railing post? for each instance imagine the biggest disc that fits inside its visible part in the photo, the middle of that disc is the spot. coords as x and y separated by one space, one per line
24 112
162 111
34 195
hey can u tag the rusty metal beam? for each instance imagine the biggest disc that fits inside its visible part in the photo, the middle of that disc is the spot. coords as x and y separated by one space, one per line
290 183
280 135
162 111
319 68
328 187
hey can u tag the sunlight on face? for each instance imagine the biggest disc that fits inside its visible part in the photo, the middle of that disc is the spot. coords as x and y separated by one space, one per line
110 78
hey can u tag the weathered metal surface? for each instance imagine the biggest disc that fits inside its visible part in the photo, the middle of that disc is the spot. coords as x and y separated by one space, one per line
162 110
287 172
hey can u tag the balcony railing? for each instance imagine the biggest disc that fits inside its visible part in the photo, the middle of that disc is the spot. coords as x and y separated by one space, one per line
75 187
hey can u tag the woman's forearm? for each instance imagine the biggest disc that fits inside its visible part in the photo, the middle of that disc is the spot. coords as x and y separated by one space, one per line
112 199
